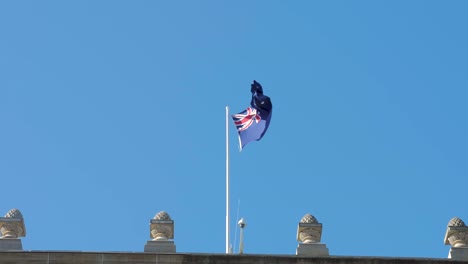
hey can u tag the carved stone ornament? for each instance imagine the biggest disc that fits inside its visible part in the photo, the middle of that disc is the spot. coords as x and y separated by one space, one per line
12 224
457 233
162 216
162 227
309 219
309 230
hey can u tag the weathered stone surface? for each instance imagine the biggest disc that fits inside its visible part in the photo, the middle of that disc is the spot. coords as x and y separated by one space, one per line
162 216
458 253
309 234
455 221
162 227
309 219
45 257
166 246
457 236
312 250
10 244
309 230
14 213
12 224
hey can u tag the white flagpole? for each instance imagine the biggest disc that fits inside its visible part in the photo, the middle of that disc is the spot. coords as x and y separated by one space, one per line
227 181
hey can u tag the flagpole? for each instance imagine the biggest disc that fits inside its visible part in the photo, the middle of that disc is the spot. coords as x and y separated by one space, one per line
227 181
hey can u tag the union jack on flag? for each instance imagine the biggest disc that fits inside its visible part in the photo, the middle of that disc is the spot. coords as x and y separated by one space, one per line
245 119
253 122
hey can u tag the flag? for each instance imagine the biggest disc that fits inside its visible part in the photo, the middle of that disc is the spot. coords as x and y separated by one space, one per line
253 123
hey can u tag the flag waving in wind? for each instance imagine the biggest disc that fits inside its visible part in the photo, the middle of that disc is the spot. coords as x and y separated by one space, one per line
254 121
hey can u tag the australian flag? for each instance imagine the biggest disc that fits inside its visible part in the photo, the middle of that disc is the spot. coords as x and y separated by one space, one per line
253 123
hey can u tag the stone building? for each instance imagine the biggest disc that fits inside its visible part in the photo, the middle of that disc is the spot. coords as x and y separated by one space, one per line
161 248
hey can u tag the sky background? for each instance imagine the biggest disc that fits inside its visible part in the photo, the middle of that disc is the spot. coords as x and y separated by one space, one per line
112 111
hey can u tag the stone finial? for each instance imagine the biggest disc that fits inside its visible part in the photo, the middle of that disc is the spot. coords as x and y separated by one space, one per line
309 230
162 227
309 234
457 233
457 236
162 216
12 224
456 222
162 234
14 213
12 227
309 219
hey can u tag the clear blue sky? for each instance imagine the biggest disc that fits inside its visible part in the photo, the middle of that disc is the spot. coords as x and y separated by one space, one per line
114 110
